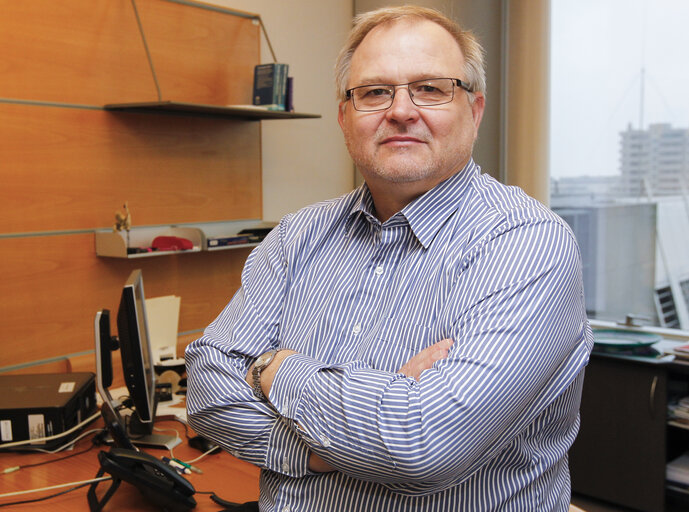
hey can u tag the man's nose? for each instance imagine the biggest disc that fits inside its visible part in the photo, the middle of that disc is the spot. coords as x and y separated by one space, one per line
402 108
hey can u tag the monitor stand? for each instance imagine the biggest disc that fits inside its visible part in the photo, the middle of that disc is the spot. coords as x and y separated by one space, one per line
141 434
156 441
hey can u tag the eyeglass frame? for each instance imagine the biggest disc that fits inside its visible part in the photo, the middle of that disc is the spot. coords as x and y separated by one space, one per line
456 82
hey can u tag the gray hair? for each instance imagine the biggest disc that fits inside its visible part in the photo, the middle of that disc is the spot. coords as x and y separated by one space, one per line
471 49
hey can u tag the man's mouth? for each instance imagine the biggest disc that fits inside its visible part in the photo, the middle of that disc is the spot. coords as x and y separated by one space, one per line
401 140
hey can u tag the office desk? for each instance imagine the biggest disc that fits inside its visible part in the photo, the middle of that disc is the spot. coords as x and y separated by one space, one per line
226 476
625 439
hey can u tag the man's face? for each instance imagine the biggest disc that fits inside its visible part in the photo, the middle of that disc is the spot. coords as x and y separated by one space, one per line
420 146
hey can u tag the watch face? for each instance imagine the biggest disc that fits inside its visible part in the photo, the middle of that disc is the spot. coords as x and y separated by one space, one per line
263 359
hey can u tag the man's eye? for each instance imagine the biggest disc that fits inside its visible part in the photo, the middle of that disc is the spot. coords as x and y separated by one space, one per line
377 92
427 89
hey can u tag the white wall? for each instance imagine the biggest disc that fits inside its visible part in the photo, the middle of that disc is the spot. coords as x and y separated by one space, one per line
304 160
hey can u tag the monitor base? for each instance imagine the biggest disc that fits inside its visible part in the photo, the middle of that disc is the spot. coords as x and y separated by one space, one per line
150 441
156 441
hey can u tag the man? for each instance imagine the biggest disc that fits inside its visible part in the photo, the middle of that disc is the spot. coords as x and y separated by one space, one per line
430 326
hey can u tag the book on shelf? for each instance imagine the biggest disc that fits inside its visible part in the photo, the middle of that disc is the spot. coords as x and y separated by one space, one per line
681 353
231 240
683 349
270 85
289 95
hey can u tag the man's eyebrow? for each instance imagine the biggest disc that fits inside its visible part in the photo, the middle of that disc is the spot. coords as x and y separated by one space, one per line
373 81
376 80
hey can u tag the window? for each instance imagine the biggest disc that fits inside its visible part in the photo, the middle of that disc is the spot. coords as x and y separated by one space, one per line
619 130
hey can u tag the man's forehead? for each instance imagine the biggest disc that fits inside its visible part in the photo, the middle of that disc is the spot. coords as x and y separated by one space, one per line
422 46
396 30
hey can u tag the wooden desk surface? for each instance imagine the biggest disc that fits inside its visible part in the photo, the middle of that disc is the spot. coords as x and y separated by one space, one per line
226 476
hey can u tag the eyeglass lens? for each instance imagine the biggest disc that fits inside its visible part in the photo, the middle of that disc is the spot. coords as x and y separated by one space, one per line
423 93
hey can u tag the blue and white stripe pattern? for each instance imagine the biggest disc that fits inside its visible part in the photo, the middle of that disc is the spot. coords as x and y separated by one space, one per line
488 428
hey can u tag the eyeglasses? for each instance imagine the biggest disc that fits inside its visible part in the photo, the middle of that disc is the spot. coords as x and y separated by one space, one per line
423 93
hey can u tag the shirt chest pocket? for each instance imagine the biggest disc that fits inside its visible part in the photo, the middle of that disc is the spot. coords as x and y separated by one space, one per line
397 341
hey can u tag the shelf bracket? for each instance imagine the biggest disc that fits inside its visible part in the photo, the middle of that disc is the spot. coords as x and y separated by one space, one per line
148 53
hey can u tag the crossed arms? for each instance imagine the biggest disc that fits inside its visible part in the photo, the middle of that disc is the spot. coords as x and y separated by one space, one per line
519 343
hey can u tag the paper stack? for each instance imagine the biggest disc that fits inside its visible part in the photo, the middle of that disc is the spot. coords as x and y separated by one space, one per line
677 472
679 411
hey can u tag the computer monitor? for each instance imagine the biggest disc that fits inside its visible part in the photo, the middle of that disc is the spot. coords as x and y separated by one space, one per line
137 367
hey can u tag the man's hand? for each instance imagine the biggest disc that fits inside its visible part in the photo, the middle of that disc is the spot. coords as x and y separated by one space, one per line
412 368
425 359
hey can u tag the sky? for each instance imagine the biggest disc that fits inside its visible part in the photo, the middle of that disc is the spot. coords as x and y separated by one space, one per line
598 49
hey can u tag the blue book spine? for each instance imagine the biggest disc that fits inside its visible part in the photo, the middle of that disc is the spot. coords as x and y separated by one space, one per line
270 85
264 84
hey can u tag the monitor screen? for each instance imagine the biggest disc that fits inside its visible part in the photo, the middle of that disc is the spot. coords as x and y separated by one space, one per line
137 361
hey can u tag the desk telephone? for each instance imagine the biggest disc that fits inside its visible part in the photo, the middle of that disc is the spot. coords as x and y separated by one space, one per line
157 481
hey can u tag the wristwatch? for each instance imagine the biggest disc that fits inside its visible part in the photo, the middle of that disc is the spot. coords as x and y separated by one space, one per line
261 364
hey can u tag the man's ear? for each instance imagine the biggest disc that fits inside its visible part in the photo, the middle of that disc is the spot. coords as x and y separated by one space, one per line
341 114
477 108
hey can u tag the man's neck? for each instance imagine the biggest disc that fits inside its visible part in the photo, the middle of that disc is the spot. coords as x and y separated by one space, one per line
391 197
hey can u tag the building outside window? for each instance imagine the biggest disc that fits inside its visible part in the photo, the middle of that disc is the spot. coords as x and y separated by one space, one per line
619 152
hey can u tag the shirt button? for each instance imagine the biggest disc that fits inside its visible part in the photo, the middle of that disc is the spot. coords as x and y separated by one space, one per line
325 441
285 467
379 270
357 329
286 508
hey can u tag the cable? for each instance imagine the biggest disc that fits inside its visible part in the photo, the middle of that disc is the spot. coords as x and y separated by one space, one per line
95 441
215 448
50 438
184 423
44 497
90 447
70 443
78 484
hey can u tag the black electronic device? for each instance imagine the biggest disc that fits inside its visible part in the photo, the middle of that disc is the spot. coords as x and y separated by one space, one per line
203 445
34 407
137 365
158 482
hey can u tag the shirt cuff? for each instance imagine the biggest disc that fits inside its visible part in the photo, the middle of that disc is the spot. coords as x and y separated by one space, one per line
287 454
290 381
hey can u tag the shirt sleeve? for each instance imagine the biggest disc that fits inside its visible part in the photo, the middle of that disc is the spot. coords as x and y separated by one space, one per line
220 403
521 339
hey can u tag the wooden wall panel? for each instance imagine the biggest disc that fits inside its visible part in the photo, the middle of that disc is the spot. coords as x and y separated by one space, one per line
171 169
186 44
73 51
66 165
92 52
53 286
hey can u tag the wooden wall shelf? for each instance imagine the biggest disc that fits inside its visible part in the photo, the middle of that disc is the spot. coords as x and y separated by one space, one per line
113 244
246 112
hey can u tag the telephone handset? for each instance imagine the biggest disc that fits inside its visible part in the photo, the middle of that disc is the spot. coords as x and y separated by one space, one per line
157 481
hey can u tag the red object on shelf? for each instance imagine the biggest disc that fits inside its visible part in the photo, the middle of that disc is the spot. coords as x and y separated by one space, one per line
171 243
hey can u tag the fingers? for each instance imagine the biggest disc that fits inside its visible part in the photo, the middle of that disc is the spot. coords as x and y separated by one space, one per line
426 358
442 348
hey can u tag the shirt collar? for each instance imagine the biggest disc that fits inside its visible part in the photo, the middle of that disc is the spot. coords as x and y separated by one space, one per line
425 214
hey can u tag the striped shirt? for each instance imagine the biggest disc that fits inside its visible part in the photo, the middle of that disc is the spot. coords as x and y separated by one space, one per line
487 428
